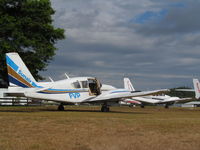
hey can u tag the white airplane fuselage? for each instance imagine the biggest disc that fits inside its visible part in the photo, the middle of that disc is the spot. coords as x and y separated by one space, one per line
72 90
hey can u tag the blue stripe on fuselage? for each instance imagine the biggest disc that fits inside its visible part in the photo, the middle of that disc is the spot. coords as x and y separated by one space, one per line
58 90
61 91
119 91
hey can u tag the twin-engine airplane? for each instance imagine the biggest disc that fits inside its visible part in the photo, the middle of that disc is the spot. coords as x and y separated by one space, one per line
151 99
72 90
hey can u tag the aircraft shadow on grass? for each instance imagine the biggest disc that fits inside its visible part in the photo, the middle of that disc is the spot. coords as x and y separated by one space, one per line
67 110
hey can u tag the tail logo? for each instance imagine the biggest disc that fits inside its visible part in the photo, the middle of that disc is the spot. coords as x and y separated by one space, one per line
129 86
25 77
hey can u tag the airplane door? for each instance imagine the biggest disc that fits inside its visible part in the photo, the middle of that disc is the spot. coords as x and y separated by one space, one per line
94 87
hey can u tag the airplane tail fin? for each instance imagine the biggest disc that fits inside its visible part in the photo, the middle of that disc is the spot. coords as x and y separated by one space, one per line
18 73
196 88
128 85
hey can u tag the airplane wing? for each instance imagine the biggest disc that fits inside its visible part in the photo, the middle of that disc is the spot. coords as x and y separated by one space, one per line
146 100
117 95
15 94
180 100
185 90
161 101
20 92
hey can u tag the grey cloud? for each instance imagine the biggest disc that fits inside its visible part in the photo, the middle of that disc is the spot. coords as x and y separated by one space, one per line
179 20
102 42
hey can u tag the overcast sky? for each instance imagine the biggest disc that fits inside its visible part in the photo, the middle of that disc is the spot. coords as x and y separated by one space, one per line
155 43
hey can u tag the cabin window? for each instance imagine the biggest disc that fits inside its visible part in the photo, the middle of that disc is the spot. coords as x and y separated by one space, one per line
84 84
76 85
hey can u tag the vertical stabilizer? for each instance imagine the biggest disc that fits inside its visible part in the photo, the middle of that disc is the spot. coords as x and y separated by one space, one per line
18 73
196 88
128 85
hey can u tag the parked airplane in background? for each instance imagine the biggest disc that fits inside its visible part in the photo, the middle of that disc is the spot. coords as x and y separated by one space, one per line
72 90
130 102
163 99
150 99
196 89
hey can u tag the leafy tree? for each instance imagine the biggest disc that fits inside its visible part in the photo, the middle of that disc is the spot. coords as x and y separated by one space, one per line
181 94
26 27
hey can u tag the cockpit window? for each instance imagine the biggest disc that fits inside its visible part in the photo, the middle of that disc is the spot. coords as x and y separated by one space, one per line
76 85
84 84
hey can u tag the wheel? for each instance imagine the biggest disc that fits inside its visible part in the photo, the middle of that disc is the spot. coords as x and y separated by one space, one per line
102 109
142 106
61 108
105 109
166 106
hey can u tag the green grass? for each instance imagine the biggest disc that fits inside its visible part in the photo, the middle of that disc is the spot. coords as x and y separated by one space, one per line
86 128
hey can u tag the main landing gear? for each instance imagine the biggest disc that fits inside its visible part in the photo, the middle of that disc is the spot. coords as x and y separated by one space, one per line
105 108
142 106
166 106
61 107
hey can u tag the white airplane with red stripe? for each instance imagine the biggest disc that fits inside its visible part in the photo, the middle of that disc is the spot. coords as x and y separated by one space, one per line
150 99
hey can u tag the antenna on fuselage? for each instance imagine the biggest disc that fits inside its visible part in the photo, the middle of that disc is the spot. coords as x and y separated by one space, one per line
67 76
51 79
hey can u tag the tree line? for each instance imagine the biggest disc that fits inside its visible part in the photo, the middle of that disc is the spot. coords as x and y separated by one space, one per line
26 28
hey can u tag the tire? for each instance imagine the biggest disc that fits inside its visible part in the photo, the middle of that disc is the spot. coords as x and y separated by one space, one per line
166 106
61 108
142 106
102 109
105 109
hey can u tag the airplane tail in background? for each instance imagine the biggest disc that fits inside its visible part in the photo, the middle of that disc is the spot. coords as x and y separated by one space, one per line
18 73
128 85
196 88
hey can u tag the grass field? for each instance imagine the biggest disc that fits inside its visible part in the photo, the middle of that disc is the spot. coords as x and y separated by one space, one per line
86 128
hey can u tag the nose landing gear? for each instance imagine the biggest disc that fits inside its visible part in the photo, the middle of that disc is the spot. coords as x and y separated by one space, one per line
61 107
